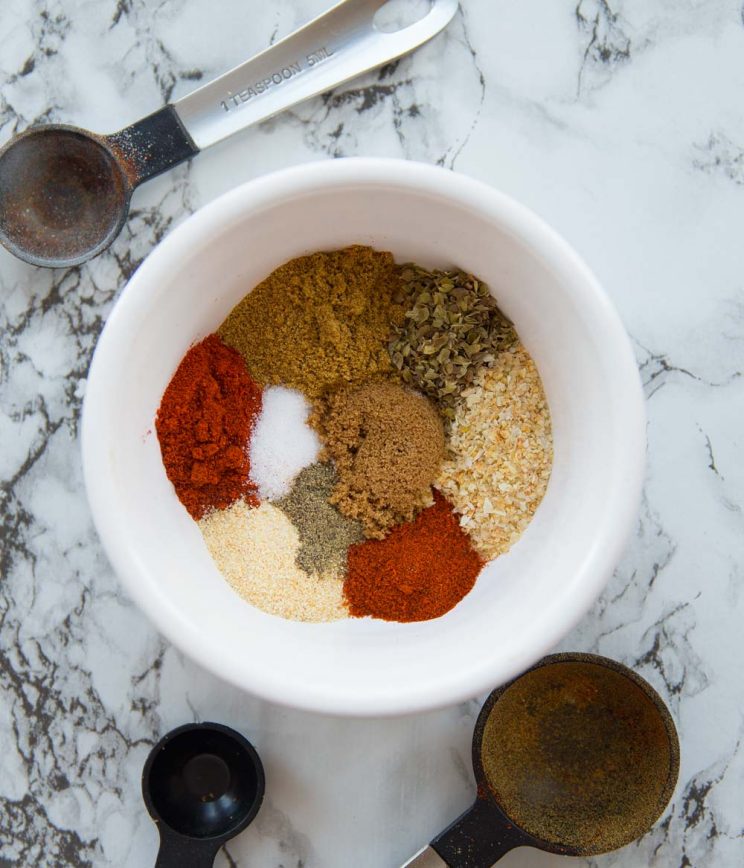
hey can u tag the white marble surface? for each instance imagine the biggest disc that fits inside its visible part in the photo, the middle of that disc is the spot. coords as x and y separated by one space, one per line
621 122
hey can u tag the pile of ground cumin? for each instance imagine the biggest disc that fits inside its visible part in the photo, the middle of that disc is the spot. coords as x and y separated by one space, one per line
319 321
387 443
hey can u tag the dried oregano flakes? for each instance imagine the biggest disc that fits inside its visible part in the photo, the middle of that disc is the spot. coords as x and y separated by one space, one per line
452 328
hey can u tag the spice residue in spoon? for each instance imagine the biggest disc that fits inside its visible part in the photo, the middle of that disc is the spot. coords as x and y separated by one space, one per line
578 755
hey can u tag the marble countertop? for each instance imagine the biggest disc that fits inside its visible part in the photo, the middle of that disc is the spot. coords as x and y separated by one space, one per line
620 122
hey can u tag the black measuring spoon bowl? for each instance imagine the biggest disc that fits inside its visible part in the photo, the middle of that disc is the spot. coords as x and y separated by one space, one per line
578 756
203 783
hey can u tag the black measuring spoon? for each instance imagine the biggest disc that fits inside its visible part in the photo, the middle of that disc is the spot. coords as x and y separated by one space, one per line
578 756
203 783
65 191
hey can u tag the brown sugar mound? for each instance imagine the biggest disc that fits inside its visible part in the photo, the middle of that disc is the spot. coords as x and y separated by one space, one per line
319 321
387 443
579 755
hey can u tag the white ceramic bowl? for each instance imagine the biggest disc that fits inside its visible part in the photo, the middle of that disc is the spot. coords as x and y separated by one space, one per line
524 602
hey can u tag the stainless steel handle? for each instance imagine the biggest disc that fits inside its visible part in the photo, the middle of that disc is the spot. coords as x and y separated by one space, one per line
339 45
426 858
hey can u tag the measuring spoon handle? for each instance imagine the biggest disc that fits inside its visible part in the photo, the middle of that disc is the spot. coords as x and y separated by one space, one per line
477 839
178 851
339 45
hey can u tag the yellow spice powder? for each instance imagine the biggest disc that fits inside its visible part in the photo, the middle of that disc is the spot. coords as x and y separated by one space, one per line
319 321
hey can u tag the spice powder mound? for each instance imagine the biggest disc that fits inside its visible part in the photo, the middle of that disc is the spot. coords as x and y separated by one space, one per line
418 572
387 443
325 534
500 453
256 551
577 754
319 320
204 425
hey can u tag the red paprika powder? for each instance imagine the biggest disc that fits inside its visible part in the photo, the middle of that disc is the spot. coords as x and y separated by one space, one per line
419 571
204 424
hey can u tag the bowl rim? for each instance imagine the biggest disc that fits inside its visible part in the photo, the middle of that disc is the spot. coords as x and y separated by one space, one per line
611 536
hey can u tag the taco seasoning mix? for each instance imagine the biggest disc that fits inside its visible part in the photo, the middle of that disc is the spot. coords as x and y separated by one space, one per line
358 438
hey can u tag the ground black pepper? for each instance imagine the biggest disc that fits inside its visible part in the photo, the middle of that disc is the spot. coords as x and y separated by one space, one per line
325 534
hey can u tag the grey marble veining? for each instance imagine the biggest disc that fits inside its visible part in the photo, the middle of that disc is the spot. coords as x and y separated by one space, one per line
621 122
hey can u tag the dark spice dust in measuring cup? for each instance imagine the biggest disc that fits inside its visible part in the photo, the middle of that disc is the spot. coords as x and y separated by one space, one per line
577 755
61 194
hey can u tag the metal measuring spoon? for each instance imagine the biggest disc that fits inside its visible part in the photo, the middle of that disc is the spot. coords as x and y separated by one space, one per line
570 785
203 783
64 191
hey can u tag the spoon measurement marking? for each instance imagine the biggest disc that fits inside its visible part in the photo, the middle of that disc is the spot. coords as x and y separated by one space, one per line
235 100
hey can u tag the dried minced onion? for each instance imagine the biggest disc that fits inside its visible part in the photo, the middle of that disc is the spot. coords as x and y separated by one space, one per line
501 453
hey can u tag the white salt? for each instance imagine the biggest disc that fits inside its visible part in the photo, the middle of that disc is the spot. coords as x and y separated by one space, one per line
282 443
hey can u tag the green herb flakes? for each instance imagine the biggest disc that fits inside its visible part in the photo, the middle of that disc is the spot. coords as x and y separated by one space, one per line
452 328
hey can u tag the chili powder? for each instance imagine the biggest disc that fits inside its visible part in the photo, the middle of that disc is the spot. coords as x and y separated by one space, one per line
418 572
204 424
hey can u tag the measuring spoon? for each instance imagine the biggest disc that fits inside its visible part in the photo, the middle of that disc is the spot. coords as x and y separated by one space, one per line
578 756
203 783
65 191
